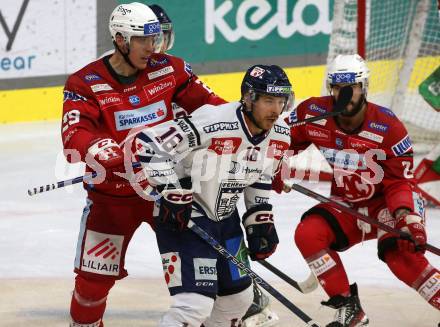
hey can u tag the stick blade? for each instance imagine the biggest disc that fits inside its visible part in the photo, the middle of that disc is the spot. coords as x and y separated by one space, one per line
310 284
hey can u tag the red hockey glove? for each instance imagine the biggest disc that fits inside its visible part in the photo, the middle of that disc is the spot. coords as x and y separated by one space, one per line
175 205
260 230
278 181
412 224
109 155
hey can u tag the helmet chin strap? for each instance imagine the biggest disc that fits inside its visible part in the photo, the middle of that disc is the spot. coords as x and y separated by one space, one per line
125 55
356 109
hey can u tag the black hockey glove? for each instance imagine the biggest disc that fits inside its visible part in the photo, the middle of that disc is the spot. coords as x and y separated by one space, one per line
261 234
175 205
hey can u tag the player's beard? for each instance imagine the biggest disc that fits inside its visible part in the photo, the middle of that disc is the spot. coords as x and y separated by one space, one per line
356 108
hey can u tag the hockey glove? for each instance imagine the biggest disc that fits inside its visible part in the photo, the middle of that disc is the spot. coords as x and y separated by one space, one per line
260 230
412 224
109 155
175 205
278 180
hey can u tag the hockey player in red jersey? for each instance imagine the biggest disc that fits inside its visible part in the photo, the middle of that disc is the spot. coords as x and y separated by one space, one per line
371 154
103 101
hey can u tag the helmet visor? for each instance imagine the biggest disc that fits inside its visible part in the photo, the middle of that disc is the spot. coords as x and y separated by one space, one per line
278 91
168 39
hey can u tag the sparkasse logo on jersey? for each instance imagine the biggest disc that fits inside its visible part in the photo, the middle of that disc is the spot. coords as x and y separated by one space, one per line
159 87
144 116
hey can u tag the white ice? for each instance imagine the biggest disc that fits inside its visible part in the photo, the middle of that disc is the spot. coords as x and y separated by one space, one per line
39 233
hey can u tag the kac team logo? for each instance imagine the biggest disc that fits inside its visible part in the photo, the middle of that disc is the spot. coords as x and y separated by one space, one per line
134 100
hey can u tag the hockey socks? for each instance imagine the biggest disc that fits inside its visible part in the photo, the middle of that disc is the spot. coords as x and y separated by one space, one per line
428 286
313 237
88 302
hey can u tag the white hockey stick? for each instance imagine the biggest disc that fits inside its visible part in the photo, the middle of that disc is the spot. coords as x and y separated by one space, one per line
306 286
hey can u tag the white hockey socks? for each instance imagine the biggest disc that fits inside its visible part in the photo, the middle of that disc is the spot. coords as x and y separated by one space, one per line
187 308
230 308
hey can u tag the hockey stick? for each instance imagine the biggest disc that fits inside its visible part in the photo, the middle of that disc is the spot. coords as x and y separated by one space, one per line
67 182
345 95
257 279
358 215
307 286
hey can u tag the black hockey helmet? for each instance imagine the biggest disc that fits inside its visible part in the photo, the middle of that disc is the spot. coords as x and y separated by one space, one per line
267 80
166 24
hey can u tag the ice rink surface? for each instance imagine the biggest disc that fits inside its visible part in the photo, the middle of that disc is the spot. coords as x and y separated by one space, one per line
39 233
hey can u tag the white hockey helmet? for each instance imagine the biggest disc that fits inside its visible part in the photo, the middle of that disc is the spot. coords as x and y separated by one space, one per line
133 19
348 69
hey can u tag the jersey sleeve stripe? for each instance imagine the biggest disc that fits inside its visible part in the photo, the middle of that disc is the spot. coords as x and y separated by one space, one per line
196 132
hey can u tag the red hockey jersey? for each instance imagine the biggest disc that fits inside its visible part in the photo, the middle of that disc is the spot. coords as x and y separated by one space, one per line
97 105
373 162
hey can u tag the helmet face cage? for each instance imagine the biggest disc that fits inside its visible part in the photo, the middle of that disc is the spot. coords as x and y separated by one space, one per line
268 80
348 69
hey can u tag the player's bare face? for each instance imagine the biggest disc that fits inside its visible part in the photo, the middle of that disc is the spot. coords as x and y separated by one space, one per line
267 109
141 48
356 99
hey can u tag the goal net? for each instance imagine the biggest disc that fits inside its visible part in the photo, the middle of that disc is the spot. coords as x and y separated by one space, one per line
400 39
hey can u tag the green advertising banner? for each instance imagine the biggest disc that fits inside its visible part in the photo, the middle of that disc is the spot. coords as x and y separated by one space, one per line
224 30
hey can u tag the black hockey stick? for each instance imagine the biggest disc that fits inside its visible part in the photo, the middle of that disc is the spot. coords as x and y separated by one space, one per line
257 279
345 95
307 286
358 215
67 182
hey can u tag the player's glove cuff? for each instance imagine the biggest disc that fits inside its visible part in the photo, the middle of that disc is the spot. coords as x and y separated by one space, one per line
413 225
260 230
175 205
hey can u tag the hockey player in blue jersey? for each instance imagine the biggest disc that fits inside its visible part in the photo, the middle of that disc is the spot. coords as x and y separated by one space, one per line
201 166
